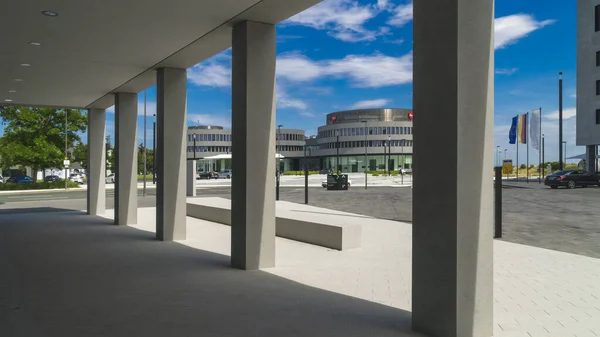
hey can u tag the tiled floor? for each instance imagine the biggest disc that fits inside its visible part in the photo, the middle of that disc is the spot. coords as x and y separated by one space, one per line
537 292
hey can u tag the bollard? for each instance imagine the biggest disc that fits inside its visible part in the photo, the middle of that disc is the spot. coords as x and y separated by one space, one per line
498 203
306 185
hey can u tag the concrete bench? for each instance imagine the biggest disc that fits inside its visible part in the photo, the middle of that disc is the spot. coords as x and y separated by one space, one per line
314 225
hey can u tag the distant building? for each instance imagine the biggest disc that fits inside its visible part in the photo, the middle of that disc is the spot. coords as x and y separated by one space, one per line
387 133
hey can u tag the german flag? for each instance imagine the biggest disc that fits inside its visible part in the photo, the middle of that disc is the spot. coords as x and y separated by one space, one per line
522 129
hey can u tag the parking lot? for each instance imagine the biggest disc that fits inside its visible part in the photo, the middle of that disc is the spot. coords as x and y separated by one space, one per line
562 219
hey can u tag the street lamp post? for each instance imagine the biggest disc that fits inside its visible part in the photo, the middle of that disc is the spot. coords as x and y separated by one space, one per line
389 161
145 154
402 168
337 146
543 172
305 175
565 142
366 149
278 159
497 155
154 150
66 138
560 119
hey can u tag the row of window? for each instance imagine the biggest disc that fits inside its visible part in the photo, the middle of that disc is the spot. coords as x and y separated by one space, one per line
227 137
360 131
227 149
361 143
223 149
289 136
209 138
289 148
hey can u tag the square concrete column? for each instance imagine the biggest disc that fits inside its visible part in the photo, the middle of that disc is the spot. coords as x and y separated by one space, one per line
452 290
171 157
126 125
253 146
191 178
96 178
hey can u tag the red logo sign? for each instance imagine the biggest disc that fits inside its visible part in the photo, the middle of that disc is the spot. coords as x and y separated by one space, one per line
410 115
334 118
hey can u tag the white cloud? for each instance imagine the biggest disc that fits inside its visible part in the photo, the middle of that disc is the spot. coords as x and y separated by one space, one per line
506 71
214 72
307 114
209 119
510 29
211 75
343 19
365 71
403 14
567 114
297 67
285 101
375 103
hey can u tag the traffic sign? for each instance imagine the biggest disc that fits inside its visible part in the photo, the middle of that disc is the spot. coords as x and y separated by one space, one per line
66 162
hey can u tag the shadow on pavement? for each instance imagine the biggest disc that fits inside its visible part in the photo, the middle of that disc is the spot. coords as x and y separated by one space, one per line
79 276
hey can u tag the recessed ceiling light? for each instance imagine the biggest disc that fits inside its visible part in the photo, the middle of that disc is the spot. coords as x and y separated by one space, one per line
25 65
49 13
35 43
18 80
8 100
12 91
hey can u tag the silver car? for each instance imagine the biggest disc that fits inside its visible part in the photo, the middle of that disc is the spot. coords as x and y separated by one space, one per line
226 174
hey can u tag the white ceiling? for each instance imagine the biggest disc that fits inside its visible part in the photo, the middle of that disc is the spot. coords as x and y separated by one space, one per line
96 47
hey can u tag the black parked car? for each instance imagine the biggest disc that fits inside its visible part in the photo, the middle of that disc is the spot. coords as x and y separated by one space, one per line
571 179
51 179
20 180
208 175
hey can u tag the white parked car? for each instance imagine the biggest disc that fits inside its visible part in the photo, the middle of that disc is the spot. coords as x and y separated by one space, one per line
110 179
76 177
1 179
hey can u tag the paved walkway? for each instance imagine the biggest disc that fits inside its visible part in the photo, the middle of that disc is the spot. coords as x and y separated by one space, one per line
80 276
537 292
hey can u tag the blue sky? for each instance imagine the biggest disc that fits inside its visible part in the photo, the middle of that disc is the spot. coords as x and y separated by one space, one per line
344 54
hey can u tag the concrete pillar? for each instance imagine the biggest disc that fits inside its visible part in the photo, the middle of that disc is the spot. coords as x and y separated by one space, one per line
126 142
96 172
253 146
590 158
171 157
452 269
191 178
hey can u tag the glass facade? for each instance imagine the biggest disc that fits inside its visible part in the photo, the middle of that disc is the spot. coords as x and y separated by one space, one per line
374 163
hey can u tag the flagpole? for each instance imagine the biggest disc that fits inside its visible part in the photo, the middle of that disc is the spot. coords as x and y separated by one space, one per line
518 154
527 141
540 151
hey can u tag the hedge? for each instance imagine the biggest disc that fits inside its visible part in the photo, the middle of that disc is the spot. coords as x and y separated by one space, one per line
37 186
298 173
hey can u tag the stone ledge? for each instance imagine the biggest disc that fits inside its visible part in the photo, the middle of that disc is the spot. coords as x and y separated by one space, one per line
317 226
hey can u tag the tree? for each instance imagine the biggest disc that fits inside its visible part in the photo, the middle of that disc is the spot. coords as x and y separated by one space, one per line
110 155
80 154
149 159
35 137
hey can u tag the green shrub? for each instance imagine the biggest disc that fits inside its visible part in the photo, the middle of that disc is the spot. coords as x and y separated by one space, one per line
298 173
37 186
375 174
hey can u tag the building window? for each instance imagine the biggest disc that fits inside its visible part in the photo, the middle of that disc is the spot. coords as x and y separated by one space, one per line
597 116
597 18
597 87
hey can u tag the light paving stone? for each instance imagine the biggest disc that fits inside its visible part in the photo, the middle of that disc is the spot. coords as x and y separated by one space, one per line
537 292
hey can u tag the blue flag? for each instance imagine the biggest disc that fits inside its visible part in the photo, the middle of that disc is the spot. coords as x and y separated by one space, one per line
512 134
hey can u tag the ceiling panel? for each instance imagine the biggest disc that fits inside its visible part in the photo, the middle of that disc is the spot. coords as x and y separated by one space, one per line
93 48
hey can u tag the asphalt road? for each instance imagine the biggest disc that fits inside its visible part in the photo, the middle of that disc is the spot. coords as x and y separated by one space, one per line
564 220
